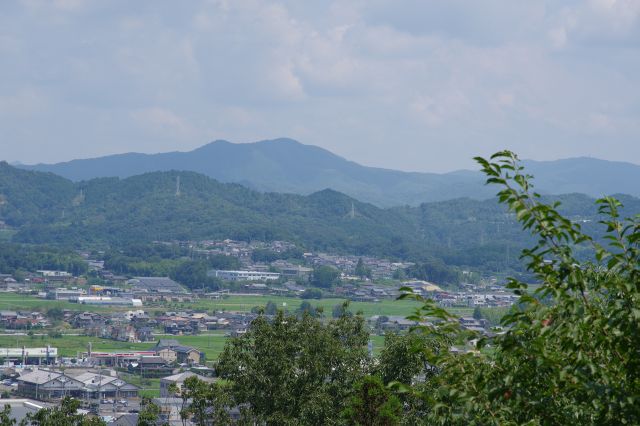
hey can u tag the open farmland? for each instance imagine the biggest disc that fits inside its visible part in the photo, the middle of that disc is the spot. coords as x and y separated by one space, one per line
233 303
212 343
237 303
71 346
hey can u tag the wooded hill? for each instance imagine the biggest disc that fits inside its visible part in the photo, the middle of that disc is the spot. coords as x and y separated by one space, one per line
48 209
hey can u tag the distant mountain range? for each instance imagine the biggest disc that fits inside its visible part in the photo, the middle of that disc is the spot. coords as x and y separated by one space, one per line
284 165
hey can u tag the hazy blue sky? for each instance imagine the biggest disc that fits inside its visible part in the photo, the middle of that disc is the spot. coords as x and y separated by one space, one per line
413 85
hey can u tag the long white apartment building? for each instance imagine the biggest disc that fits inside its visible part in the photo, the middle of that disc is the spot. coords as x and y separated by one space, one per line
244 275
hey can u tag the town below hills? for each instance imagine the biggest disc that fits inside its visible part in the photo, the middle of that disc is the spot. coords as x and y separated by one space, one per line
96 273
287 166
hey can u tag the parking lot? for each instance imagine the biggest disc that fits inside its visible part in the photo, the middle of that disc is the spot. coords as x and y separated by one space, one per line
110 406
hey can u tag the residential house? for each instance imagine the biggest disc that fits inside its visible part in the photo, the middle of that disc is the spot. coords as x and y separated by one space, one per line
188 355
151 366
172 351
145 334
86 320
169 355
99 386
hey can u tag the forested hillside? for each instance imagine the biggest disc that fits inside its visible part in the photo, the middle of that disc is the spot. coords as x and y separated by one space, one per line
109 212
146 208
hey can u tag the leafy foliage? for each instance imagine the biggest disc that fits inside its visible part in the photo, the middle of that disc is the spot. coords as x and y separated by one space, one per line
5 417
372 404
311 293
570 353
296 370
204 403
325 276
19 257
361 270
168 260
435 270
265 255
149 413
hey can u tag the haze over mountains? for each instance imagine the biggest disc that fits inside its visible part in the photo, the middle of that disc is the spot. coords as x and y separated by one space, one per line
285 165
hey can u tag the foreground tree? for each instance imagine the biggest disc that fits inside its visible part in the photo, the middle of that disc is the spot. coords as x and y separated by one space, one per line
296 370
149 413
372 404
570 353
203 403
5 417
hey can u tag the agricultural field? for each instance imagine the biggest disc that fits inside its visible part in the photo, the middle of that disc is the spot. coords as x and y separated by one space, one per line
246 303
71 346
72 343
149 387
18 302
233 303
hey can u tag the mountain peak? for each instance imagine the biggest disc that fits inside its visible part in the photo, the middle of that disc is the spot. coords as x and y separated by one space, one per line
286 165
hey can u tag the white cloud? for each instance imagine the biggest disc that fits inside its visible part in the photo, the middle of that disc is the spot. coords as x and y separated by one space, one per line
160 121
386 82
26 102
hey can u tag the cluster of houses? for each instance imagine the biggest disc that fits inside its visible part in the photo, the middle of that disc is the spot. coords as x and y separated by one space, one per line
101 392
367 292
395 323
492 297
378 268
22 320
130 326
138 326
190 322
9 283
132 292
239 249
469 296
243 251
159 360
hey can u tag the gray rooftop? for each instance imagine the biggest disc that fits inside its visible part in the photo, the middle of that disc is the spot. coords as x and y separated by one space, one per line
181 377
21 407
39 377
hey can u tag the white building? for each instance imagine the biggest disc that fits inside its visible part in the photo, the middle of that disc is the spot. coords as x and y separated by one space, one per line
244 275
24 355
104 300
54 274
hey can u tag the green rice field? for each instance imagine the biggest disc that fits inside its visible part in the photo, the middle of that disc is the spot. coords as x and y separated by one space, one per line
236 303
211 343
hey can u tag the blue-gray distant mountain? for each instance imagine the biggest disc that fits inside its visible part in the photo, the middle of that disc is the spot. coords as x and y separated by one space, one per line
284 165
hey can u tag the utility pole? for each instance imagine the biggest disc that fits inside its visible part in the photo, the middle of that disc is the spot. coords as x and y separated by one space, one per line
178 186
